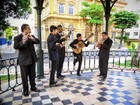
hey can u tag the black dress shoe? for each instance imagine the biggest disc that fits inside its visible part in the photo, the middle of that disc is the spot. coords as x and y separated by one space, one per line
103 78
79 74
53 84
26 93
34 89
61 77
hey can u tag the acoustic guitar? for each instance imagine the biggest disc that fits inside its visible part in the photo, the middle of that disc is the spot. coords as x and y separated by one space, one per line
80 45
99 45
64 36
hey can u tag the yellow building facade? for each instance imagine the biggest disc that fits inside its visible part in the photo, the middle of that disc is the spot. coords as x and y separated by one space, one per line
66 13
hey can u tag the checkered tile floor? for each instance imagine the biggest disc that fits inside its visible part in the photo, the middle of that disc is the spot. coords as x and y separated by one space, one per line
120 88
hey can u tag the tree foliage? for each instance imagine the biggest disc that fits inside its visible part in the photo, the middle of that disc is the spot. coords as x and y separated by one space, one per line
94 11
13 8
9 33
123 20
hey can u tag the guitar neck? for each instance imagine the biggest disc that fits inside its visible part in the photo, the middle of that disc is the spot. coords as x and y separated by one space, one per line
86 39
67 35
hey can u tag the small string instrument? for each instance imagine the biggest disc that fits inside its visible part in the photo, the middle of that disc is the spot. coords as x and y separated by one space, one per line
80 45
99 43
65 36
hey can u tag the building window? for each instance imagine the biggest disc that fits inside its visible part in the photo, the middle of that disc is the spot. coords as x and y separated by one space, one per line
135 34
61 8
119 34
127 33
71 9
71 28
136 26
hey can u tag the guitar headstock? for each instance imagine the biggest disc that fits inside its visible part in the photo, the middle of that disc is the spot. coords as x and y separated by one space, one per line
69 33
90 35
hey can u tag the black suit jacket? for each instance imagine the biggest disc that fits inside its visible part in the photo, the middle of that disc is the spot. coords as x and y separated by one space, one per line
105 48
26 50
52 48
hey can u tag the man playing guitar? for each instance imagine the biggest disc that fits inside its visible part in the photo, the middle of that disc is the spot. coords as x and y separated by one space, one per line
61 38
78 56
61 51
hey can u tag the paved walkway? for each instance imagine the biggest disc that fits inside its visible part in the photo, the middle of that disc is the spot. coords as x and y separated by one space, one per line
120 88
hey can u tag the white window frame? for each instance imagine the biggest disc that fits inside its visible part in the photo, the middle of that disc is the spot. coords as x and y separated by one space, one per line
70 7
60 11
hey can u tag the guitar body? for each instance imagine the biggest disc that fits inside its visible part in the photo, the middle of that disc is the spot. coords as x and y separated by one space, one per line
80 45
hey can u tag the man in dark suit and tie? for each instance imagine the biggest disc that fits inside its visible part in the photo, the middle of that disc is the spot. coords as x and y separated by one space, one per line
104 49
53 49
24 43
61 51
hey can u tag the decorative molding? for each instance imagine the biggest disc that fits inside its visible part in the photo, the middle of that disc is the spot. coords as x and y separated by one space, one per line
61 1
72 2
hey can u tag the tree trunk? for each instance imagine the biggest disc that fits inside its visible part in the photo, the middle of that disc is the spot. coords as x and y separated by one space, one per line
96 36
136 57
107 22
121 39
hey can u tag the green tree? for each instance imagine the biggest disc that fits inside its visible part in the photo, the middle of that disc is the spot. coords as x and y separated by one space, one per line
9 33
124 20
94 12
13 8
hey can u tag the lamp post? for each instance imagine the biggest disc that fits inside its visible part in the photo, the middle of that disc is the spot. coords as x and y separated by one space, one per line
40 64
107 4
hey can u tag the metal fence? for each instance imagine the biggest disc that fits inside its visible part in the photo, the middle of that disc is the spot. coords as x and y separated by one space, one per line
119 60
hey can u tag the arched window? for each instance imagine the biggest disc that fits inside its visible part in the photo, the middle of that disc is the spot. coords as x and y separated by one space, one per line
87 30
71 28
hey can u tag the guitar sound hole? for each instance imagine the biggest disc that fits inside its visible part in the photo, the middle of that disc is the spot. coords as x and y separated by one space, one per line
80 45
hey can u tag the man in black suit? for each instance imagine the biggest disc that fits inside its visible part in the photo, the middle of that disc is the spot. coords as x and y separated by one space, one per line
104 50
24 43
53 49
61 51
78 57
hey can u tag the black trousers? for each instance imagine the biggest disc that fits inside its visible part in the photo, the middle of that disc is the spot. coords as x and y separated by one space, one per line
28 71
103 66
54 65
78 58
61 61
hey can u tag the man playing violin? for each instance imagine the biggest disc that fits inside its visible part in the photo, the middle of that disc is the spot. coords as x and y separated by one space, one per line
78 57
104 49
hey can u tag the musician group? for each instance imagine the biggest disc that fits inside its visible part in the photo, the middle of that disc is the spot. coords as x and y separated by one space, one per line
56 50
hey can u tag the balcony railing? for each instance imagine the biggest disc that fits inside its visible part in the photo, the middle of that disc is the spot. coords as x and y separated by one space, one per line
119 60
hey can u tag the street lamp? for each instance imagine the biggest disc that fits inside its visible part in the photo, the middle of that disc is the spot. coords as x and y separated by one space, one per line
107 4
40 64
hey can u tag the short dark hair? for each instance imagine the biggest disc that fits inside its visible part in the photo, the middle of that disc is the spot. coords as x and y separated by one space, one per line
59 26
23 27
52 27
78 35
104 33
